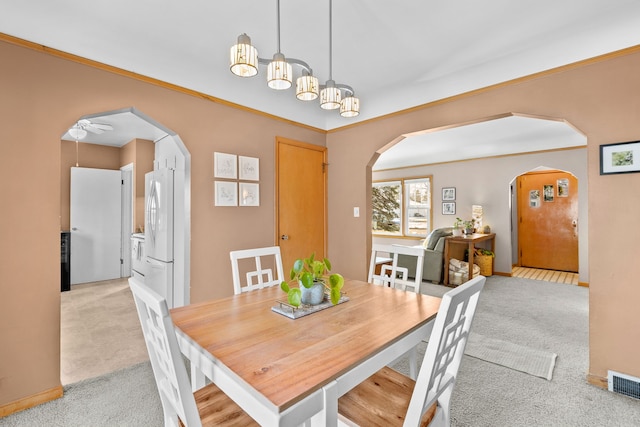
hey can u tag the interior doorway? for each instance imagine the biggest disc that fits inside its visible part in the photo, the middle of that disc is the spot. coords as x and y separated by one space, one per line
547 220
167 150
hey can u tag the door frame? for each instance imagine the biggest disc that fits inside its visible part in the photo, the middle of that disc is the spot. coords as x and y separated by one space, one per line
126 209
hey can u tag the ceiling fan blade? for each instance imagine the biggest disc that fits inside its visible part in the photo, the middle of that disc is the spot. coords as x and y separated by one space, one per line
93 129
102 126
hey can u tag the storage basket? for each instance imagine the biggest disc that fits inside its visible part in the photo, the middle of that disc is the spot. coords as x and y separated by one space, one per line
485 262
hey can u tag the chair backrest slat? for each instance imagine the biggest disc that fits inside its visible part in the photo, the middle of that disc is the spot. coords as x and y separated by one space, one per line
394 275
256 276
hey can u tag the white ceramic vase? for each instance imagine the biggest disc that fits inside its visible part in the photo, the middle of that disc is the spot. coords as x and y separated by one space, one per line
313 295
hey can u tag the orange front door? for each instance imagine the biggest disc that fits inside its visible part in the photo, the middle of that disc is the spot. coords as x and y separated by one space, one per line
300 200
548 220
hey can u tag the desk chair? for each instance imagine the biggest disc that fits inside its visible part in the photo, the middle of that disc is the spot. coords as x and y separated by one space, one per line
388 398
262 276
207 406
393 275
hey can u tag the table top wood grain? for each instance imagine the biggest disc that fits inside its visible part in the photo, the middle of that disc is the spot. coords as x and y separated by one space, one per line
286 359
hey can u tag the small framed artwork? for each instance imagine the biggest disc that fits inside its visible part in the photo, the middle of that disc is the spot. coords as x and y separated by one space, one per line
547 191
623 157
448 193
249 168
563 187
534 198
249 194
225 165
226 193
448 208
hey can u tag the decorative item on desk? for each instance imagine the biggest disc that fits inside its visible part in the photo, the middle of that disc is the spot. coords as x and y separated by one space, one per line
486 229
469 227
312 279
457 227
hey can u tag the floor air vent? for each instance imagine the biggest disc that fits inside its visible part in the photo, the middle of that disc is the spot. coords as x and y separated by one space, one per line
624 384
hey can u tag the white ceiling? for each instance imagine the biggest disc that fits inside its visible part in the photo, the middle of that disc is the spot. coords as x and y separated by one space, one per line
395 55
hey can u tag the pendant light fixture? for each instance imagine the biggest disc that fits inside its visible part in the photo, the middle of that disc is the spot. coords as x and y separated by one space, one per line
244 61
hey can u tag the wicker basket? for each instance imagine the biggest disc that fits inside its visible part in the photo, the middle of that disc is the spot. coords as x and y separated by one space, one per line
485 262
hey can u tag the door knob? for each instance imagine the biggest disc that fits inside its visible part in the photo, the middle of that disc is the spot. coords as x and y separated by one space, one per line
284 237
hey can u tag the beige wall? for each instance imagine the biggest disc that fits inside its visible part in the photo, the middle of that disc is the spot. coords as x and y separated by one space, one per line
599 99
36 88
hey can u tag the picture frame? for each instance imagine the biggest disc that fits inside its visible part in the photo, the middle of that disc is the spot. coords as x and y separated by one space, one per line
249 194
534 198
623 157
548 192
226 193
225 165
448 193
448 208
249 168
563 187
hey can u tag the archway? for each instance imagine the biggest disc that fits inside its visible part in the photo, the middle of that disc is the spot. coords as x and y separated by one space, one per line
478 181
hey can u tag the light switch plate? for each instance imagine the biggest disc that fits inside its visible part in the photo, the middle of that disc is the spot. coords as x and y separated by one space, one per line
356 212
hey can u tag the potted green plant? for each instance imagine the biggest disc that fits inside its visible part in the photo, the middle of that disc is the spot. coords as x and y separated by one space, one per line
457 227
311 276
469 226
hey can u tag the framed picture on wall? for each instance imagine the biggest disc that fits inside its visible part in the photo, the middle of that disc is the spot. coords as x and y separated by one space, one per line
448 193
448 208
225 165
226 193
249 194
547 191
563 187
249 168
620 158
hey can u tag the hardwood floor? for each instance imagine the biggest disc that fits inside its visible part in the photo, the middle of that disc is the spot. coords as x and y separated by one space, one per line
545 275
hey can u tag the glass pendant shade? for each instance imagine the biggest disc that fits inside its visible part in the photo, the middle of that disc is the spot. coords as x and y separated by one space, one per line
244 57
307 88
349 106
330 96
279 73
77 133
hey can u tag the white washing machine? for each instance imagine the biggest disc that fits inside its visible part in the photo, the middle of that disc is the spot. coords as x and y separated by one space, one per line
138 264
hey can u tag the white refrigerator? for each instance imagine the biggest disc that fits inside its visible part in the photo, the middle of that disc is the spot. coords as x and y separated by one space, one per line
158 233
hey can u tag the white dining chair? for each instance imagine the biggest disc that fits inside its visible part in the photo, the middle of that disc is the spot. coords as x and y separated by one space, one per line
389 398
252 261
391 274
208 405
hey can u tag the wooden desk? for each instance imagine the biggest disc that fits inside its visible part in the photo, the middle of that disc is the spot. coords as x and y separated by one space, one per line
283 371
470 241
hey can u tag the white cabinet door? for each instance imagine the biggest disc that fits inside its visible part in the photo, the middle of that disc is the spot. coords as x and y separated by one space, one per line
95 224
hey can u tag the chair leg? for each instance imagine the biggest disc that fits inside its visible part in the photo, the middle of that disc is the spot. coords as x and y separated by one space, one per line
413 363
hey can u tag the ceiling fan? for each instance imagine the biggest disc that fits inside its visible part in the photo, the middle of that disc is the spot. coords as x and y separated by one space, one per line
88 125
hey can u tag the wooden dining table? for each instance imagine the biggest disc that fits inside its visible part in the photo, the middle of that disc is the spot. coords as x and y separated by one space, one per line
285 371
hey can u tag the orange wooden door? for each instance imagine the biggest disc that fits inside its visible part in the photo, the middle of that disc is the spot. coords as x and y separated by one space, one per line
301 185
548 211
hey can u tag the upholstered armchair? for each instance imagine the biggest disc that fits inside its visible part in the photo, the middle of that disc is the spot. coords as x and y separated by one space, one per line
433 256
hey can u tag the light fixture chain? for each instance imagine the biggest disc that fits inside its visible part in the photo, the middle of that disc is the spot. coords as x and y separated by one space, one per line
278 23
330 40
